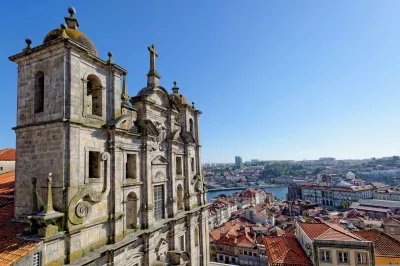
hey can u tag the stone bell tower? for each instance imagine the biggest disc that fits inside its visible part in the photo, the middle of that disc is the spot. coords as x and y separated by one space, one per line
66 94
96 167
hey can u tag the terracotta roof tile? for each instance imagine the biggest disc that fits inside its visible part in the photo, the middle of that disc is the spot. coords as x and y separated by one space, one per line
7 155
5 200
328 231
385 245
7 182
284 250
12 248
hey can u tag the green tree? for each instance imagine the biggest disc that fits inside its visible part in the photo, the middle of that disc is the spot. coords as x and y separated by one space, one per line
345 204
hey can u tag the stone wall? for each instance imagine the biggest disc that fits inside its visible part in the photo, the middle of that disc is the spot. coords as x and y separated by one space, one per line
51 63
40 151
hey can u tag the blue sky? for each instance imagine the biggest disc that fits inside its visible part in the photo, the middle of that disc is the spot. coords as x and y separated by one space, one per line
274 79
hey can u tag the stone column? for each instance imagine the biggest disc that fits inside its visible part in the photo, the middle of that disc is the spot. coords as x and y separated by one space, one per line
187 181
147 191
206 241
189 237
172 200
201 238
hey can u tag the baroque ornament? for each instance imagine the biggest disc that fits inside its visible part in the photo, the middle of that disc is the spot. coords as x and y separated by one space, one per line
83 209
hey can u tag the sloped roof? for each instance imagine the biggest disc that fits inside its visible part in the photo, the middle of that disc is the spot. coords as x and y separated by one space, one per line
7 182
328 231
245 240
385 245
12 248
7 155
284 250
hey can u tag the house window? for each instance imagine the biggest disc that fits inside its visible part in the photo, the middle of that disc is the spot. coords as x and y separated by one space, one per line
94 164
1 168
362 258
158 202
182 243
191 126
94 96
131 172
221 257
39 92
180 197
196 237
178 165
192 164
245 252
36 259
240 251
343 257
325 255
392 230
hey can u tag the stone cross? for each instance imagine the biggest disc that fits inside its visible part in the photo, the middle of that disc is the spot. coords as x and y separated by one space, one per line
152 76
153 55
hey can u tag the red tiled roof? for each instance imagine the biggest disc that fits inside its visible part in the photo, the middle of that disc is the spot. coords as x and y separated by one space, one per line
7 155
12 248
385 245
7 182
245 240
6 200
328 231
285 251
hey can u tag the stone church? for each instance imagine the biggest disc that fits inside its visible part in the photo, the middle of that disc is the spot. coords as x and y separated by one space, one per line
102 176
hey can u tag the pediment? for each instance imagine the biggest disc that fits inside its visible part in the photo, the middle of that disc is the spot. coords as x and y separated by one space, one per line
147 127
159 160
124 122
162 244
174 135
135 257
188 137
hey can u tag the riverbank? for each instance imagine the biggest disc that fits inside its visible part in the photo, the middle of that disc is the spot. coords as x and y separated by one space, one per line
278 192
235 188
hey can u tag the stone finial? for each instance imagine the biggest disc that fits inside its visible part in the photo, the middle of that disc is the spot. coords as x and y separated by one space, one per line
63 28
28 44
193 105
34 208
71 21
71 11
175 89
124 96
49 205
110 60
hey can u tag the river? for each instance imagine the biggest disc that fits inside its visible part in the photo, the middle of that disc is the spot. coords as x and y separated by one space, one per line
279 192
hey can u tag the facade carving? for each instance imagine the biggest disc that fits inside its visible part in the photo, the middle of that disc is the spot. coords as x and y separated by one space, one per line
126 170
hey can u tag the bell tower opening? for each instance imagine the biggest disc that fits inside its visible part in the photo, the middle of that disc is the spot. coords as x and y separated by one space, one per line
94 96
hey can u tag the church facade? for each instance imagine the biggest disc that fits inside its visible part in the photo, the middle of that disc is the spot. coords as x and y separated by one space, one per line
103 177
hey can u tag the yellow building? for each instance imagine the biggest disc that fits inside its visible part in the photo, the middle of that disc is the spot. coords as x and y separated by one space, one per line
387 248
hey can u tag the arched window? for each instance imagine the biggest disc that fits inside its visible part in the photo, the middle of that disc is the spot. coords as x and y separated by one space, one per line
132 211
94 96
191 125
39 93
180 197
196 237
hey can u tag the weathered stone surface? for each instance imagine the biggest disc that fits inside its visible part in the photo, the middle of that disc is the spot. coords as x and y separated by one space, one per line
84 138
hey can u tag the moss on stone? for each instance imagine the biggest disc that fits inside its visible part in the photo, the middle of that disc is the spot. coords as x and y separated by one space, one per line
82 252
